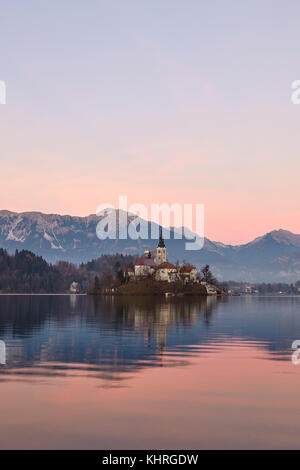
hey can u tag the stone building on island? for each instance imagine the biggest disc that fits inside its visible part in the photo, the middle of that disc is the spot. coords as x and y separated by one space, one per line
155 264
144 266
166 272
188 273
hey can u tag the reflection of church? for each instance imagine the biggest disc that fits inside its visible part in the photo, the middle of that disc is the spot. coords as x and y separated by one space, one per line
157 318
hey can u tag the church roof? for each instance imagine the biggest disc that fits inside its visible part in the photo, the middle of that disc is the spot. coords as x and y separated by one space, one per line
187 268
145 262
166 265
161 243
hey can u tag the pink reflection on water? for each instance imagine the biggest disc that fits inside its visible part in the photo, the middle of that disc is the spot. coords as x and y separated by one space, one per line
230 398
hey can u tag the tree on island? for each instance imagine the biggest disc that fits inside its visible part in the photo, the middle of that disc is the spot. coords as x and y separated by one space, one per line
119 272
207 275
97 285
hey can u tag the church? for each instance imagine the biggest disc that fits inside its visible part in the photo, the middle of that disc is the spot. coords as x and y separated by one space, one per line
156 265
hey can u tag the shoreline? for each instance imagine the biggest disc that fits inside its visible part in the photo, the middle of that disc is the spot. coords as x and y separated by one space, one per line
148 295
31 294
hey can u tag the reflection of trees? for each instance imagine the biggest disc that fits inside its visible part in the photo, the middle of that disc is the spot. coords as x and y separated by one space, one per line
111 334
154 316
208 308
25 315
22 315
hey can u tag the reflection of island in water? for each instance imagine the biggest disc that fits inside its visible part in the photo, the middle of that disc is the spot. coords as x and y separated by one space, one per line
111 337
153 320
104 335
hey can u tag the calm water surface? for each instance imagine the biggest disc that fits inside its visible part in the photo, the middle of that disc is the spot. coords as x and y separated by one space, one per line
105 373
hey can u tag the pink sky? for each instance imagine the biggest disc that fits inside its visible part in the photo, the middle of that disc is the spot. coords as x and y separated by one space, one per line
117 102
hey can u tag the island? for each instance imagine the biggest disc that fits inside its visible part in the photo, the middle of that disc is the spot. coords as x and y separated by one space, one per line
153 274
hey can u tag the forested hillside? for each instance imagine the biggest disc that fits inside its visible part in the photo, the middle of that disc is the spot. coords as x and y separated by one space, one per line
24 272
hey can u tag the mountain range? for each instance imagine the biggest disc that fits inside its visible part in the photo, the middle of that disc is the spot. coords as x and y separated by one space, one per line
273 257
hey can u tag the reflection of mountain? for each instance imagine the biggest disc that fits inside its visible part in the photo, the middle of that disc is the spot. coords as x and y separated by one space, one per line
104 335
111 336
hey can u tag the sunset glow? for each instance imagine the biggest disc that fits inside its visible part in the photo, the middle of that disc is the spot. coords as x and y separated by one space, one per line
138 100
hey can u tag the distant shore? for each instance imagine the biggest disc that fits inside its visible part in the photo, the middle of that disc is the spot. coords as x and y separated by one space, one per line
44 293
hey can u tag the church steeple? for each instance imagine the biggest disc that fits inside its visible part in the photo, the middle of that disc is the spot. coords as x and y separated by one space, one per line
161 250
161 243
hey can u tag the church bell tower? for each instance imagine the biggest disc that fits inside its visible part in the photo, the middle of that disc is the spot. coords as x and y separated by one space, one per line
161 250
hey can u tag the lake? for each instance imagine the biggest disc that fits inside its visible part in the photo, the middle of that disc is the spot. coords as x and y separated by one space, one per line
147 373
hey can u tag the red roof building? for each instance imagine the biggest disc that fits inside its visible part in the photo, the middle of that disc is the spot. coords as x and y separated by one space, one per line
145 262
166 265
187 269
